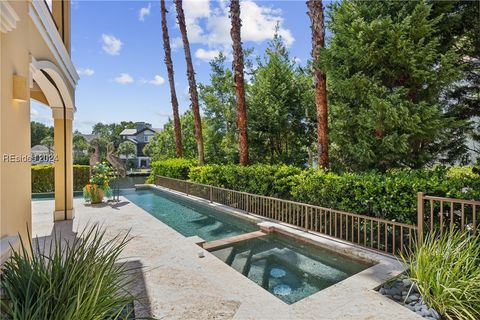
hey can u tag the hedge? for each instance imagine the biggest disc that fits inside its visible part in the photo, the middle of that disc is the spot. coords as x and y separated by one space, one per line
391 195
173 168
43 177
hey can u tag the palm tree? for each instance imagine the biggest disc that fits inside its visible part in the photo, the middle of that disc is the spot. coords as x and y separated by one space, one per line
191 82
315 12
239 81
171 81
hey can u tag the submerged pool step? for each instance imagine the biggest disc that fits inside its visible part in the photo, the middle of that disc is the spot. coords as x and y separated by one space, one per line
228 241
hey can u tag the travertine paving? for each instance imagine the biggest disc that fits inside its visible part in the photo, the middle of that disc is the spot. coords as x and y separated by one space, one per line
177 284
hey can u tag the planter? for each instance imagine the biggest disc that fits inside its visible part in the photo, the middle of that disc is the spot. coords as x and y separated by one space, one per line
94 193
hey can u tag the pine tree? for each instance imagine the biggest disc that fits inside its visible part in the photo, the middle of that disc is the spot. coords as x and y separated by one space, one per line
386 73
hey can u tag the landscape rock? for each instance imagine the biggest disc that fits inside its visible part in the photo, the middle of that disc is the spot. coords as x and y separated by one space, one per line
404 291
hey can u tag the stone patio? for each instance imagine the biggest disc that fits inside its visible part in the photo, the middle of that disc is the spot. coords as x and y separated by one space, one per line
177 284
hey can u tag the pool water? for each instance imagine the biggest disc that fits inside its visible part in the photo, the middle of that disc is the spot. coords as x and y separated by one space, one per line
188 217
289 269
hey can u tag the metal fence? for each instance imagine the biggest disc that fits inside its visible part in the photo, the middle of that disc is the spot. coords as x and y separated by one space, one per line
439 214
433 214
378 234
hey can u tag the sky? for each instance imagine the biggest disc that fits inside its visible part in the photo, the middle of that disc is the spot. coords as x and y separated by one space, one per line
118 53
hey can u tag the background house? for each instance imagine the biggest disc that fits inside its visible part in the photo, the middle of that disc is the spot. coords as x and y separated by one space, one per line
140 136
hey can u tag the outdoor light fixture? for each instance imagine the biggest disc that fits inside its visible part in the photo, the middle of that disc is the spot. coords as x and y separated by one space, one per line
20 92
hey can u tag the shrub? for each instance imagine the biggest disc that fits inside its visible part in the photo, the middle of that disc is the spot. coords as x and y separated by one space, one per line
391 195
43 177
174 168
269 180
78 279
446 271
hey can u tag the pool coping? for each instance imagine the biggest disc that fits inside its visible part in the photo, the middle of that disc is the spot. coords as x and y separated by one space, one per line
384 268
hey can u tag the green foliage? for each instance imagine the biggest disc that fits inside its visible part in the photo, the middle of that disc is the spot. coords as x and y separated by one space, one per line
281 109
270 180
446 271
101 176
38 132
219 105
386 72
280 106
391 195
111 132
127 148
48 142
174 168
78 279
162 146
43 177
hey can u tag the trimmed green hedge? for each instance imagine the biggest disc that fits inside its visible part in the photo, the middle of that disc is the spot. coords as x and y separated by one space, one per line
43 177
391 195
173 168
267 180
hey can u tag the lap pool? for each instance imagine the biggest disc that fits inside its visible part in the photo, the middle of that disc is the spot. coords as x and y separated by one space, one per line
188 217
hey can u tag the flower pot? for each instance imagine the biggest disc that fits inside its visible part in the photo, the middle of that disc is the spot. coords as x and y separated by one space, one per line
93 193
97 196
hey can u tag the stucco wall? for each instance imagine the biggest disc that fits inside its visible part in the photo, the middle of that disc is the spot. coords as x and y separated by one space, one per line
15 185
31 39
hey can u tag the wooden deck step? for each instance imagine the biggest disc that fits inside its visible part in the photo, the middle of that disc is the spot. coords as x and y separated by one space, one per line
227 241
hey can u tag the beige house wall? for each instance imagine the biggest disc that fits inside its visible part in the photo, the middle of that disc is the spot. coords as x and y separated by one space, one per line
31 46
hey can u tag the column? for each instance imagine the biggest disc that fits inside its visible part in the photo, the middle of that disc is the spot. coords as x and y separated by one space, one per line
63 141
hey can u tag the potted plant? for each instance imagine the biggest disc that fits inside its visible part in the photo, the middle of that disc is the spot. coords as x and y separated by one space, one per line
99 183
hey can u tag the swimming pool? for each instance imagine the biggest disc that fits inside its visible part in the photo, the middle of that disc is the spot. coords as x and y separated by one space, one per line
289 269
188 217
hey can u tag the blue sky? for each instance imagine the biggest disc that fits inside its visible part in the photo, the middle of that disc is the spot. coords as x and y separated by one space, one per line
117 50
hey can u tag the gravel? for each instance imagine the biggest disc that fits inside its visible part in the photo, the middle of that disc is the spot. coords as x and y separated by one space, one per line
405 292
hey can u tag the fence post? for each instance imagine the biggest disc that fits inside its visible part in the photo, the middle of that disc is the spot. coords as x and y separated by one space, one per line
420 216
186 188
210 193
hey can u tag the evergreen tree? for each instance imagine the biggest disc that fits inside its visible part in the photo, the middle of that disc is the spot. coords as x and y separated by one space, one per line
386 71
278 101
218 102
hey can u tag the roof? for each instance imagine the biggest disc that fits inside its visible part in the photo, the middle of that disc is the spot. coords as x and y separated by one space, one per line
133 132
40 149
89 137
128 132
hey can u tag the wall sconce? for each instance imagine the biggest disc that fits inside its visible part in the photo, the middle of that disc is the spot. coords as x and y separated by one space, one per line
20 88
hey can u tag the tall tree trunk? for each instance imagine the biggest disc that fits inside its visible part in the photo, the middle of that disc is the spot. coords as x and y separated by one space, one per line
191 82
315 12
171 81
239 80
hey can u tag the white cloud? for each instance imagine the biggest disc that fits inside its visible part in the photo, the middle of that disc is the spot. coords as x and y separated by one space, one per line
33 113
258 23
176 43
211 27
85 72
206 55
157 80
124 78
111 44
145 11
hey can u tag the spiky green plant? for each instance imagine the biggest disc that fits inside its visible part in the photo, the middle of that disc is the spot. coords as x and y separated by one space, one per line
446 270
81 278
